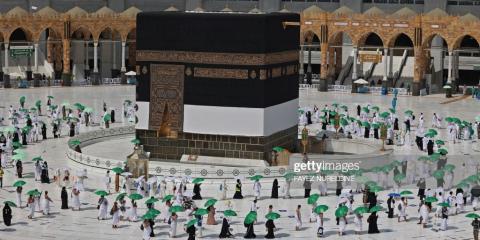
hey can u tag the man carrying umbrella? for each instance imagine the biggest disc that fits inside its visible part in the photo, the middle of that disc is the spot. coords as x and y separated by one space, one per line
476 227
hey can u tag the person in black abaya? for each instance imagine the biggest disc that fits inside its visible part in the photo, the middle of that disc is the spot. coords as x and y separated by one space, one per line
7 215
391 205
19 166
372 223
309 117
324 125
367 132
55 130
112 114
375 133
44 176
191 232
238 190
430 147
24 137
196 192
270 227
395 125
72 129
44 131
250 231
225 232
16 138
358 110
64 197
275 189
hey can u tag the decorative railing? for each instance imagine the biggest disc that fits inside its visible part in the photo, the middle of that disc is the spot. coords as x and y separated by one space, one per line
162 168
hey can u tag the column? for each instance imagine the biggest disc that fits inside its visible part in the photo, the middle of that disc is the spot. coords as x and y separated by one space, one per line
300 61
35 54
449 79
385 64
114 55
66 56
323 86
6 57
87 65
354 67
309 66
331 64
390 63
95 56
123 69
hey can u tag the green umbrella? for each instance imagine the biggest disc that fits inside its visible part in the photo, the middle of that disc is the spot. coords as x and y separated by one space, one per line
376 108
406 192
313 198
384 114
376 208
472 178
167 198
135 141
433 131
229 213
250 218
107 117
371 184
320 209
335 105
210 202
332 113
37 159
431 199
22 99
151 200
444 204
200 212
375 125
278 149
439 174
365 109
120 196
38 103
33 192
19 151
66 104
191 223
429 135
50 97
198 180
409 112
117 170
256 177
360 210
10 204
399 177
392 110
462 185
9 129
101 193
176 208
344 107
19 183
79 106
375 189
341 211
289 175
148 216
135 196
449 167
88 110
75 142
440 142
434 157
442 151
343 122
272 216
472 215
366 124
153 211
18 157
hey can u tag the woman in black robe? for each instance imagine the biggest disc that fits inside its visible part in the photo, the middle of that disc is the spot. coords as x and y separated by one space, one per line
309 117
238 190
270 227
324 125
16 138
191 232
250 231
44 176
24 138
430 147
391 204
196 192
7 215
375 133
72 129
112 114
225 232
367 132
54 130
64 197
372 223
275 189
19 168
44 131
395 124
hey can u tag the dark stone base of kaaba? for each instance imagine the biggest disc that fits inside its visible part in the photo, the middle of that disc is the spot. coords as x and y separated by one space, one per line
215 145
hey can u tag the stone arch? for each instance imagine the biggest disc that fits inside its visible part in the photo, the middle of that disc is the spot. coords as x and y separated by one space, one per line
81 32
458 42
97 33
24 32
392 42
51 32
371 39
126 34
310 36
337 36
428 40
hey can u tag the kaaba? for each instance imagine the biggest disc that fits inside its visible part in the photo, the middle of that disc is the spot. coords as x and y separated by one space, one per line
221 85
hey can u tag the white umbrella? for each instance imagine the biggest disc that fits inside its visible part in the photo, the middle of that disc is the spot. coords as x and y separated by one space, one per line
360 81
447 87
126 174
131 73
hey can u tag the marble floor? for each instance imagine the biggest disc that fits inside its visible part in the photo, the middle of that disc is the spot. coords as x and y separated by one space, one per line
67 224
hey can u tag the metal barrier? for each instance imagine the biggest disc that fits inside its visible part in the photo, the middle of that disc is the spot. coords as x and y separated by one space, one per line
59 83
